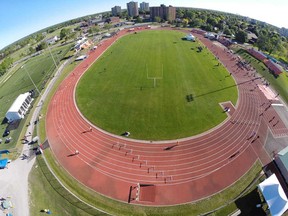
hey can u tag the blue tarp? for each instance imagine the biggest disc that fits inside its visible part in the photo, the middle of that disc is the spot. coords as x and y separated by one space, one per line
4 152
3 163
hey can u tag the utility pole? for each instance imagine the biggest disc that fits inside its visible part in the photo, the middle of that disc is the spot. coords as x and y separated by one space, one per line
23 66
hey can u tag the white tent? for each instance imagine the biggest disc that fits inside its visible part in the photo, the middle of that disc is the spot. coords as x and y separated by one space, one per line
190 37
19 107
209 35
80 58
274 195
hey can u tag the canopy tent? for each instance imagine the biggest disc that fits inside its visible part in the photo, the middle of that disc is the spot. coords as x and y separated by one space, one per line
4 152
190 37
80 58
19 107
3 163
274 195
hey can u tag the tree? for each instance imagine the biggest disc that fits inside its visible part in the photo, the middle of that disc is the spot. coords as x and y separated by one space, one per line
107 26
185 22
4 66
212 21
31 50
41 46
241 36
269 41
190 14
139 19
39 37
196 22
227 31
124 14
207 27
243 25
274 44
64 33
94 30
180 13
261 42
157 19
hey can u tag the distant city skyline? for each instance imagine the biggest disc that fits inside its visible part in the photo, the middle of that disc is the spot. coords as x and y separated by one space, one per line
20 18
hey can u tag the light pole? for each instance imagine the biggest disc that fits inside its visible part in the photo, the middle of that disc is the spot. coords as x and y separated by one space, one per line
51 55
31 79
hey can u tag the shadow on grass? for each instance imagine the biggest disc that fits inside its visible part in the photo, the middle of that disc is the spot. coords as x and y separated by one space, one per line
231 86
4 121
247 204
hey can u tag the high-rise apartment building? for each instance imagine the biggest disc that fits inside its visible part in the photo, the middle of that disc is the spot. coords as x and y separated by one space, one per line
144 6
116 11
132 8
165 13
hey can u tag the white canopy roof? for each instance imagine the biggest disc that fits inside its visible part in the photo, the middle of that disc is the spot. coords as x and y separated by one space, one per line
190 37
274 195
18 102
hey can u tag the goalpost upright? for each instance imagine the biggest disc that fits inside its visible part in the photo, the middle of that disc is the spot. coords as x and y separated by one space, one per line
154 78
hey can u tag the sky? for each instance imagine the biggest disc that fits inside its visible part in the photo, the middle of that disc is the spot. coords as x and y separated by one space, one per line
19 18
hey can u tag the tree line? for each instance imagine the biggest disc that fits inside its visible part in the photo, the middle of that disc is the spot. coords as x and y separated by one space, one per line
269 39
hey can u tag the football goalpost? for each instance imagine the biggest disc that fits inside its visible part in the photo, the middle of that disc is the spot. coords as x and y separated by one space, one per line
154 78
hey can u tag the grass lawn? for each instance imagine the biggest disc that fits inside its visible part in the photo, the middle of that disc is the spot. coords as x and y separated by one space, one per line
116 95
45 195
41 69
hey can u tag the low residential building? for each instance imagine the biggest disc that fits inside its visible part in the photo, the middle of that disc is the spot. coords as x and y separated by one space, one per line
95 20
52 40
113 20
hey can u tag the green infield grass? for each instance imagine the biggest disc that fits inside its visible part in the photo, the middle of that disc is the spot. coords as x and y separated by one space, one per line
156 86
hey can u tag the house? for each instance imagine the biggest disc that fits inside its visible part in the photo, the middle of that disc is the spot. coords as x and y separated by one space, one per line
252 38
113 20
52 40
95 20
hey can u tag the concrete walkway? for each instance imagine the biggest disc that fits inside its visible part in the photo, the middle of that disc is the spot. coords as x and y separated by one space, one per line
14 179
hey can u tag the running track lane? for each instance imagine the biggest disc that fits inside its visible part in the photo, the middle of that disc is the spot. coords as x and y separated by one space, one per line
197 167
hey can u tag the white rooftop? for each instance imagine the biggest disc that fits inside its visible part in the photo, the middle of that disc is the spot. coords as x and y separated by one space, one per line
274 195
18 102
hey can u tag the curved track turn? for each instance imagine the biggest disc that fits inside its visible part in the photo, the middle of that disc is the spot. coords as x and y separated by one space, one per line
187 171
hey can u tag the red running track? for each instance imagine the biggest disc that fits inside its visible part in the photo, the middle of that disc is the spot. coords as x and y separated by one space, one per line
194 169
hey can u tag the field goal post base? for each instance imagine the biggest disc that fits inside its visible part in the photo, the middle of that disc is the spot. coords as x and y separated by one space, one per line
154 78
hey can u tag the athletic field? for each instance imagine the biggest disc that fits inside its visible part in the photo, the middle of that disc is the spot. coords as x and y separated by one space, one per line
156 86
